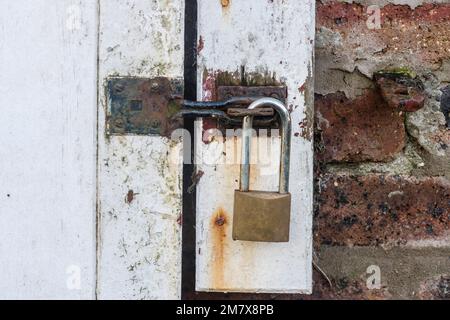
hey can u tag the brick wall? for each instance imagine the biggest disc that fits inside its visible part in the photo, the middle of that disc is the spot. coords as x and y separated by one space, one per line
382 143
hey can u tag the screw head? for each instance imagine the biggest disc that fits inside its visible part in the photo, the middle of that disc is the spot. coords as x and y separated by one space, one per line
155 124
119 123
119 88
154 86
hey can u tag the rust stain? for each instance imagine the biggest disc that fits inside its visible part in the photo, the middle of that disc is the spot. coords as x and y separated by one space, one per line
130 196
307 132
212 79
219 224
143 106
225 3
220 221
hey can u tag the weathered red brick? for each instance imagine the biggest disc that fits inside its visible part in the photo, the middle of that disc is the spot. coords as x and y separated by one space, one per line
344 288
435 289
342 14
402 93
423 32
378 209
405 273
363 129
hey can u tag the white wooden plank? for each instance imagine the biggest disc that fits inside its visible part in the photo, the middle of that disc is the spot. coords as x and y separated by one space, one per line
48 93
264 36
140 242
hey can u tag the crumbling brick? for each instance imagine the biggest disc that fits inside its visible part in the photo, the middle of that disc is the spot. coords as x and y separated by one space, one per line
362 129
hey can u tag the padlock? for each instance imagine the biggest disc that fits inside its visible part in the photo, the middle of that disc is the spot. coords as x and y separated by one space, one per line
260 215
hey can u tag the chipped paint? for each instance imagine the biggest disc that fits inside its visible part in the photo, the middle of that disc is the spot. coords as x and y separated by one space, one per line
140 238
307 89
130 197
212 79
244 77
201 45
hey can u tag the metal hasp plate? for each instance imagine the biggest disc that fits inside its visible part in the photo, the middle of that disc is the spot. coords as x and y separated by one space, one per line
265 117
143 106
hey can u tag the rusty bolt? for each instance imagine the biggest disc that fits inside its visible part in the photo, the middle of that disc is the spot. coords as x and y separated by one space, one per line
220 221
154 86
156 123
118 88
225 3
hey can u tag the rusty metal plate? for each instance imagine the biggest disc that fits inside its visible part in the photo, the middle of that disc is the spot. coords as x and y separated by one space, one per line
143 106
264 117
277 92
242 112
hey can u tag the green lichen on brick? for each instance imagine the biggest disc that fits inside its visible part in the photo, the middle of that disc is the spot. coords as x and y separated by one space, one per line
396 73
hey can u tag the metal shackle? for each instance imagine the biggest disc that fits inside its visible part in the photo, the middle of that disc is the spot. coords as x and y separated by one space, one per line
286 129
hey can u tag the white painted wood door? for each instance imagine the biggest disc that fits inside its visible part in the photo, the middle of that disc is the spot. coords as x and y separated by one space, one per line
251 40
68 229
48 93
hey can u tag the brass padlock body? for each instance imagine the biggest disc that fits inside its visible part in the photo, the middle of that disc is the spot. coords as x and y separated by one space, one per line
261 216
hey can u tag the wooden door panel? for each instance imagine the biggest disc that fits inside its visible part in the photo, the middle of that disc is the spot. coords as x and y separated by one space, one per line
255 43
139 176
